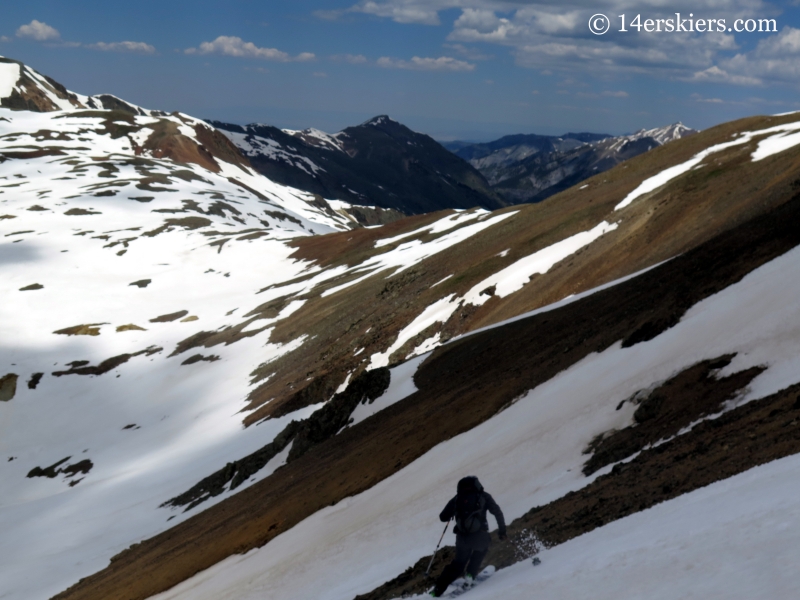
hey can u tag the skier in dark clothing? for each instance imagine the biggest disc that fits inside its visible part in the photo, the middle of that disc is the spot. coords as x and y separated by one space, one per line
469 507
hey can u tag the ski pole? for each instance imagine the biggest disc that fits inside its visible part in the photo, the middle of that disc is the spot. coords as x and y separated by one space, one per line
430 564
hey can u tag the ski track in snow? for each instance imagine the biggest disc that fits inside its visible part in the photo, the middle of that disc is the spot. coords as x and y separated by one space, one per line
527 455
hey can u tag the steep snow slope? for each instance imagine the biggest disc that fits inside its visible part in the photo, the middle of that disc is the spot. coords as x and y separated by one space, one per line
734 540
532 453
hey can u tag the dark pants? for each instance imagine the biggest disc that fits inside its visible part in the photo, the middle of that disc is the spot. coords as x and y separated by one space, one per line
470 552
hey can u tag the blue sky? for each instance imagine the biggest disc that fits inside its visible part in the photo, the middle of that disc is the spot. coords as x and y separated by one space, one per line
455 69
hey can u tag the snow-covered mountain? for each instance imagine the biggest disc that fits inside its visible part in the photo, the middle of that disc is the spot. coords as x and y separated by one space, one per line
378 163
530 168
212 387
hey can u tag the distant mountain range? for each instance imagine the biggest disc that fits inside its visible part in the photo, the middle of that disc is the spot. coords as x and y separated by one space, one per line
383 163
530 168
379 163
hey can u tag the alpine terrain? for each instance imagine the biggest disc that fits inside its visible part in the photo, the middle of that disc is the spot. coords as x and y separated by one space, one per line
530 168
379 163
214 384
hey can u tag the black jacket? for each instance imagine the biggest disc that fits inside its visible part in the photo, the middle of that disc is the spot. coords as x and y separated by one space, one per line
489 504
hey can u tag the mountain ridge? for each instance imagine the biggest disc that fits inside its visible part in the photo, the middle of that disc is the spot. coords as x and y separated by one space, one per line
531 168
377 163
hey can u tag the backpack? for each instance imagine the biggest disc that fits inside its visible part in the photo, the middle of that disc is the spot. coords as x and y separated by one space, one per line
469 511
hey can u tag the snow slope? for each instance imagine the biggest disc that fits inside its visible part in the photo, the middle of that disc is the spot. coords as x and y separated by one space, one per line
101 231
733 540
531 453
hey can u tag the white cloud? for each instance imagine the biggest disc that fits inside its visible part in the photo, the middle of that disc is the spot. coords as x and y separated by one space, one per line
443 63
4 38
555 36
353 59
235 46
136 47
401 11
38 31
778 46
775 59
716 75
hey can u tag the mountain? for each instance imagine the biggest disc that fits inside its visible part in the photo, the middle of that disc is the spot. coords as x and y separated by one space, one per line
280 410
530 168
379 163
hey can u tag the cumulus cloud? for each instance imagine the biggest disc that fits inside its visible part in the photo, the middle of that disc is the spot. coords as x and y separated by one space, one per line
4 38
617 94
38 31
401 11
443 63
775 59
237 47
716 75
553 35
136 47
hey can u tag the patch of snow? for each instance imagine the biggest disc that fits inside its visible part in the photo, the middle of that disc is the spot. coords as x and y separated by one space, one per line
346 381
516 275
401 385
438 312
442 280
439 226
775 144
9 75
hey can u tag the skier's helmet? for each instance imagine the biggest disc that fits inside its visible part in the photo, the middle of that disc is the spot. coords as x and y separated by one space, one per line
469 484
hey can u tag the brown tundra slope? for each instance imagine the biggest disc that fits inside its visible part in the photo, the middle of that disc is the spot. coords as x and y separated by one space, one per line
701 234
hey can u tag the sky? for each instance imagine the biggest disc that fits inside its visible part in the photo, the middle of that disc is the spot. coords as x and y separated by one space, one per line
454 69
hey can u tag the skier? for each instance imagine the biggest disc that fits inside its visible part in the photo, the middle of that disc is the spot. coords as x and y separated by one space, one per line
469 507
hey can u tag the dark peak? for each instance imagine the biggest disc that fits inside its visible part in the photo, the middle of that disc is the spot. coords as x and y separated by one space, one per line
379 120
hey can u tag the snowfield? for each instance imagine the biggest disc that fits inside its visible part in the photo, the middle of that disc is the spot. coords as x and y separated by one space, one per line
531 454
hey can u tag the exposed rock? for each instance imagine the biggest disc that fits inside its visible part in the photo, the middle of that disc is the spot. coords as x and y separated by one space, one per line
89 329
170 317
34 380
8 387
142 283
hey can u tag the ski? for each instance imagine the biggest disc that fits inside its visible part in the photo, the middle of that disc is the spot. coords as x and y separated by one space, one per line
462 585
